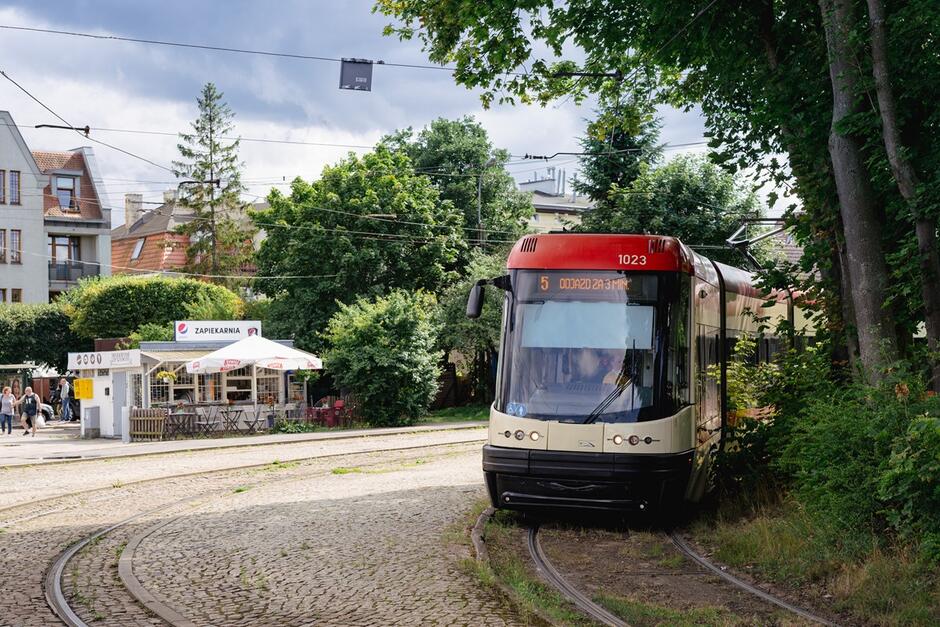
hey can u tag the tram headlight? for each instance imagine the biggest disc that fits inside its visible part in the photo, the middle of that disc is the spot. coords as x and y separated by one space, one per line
520 434
618 439
535 435
633 440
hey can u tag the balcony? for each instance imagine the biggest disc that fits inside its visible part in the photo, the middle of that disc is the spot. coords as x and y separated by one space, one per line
71 271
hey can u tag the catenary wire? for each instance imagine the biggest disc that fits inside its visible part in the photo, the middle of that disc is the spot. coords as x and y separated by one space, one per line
266 53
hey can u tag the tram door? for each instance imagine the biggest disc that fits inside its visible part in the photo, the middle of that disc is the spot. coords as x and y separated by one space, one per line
707 387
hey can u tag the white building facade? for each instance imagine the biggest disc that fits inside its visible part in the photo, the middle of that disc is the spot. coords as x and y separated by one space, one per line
54 227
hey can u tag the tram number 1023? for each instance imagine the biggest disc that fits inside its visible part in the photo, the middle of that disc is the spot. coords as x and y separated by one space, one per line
632 260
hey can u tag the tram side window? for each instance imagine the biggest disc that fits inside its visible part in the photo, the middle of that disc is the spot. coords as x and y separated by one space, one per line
707 384
677 369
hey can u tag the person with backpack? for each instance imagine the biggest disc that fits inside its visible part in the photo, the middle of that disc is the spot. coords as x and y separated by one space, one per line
30 407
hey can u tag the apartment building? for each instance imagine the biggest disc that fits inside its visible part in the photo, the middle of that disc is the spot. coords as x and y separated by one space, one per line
54 227
553 209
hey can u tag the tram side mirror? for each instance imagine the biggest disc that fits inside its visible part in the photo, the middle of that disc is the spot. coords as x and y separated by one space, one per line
475 300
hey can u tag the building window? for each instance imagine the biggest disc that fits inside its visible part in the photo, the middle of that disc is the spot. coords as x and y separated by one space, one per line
63 248
3 294
138 247
16 246
3 246
65 192
14 187
3 187
16 295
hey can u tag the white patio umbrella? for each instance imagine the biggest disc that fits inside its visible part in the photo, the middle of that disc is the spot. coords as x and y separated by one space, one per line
254 351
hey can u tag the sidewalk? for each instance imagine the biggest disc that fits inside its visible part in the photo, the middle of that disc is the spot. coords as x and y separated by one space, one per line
60 442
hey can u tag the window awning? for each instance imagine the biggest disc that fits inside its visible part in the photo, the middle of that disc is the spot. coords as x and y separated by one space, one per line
174 356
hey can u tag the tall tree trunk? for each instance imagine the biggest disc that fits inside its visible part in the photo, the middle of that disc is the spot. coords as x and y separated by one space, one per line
866 266
906 178
839 277
849 327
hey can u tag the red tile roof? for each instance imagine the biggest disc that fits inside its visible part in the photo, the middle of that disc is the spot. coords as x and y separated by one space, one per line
88 202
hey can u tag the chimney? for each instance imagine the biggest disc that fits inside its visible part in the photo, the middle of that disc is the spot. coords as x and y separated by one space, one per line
170 196
133 206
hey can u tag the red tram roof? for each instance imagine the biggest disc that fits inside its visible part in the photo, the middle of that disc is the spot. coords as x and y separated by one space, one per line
590 251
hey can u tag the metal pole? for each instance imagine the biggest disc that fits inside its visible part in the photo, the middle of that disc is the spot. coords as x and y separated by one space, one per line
480 209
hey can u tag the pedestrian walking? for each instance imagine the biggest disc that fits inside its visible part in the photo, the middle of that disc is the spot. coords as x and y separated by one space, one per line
29 408
7 402
65 392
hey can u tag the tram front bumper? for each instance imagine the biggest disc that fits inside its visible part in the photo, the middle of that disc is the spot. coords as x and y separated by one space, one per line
533 479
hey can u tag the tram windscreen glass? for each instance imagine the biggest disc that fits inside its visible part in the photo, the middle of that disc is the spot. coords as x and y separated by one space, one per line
579 345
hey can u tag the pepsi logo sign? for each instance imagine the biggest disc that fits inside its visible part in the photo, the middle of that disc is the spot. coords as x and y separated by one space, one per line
182 328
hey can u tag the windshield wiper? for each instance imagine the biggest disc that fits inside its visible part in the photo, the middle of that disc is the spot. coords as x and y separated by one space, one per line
622 382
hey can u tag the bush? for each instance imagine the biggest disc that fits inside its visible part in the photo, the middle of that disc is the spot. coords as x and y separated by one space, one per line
910 485
747 465
38 333
384 352
117 306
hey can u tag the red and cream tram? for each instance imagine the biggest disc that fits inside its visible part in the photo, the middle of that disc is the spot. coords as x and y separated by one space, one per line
610 386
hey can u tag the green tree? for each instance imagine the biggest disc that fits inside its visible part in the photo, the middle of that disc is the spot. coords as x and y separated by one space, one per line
688 197
368 225
458 156
117 306
38 334
220 237
383 350
771 77
620 140
476 341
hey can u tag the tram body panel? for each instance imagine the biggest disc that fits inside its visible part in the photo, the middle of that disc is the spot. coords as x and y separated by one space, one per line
666 435
609 379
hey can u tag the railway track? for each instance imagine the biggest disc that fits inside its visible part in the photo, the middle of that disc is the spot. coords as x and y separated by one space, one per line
53 579
548 571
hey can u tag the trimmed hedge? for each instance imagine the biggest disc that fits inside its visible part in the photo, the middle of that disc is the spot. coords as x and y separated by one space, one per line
38 333
117 306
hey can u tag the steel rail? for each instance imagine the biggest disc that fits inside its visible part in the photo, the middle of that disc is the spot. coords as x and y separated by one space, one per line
545 568
52 580
693 555
26 504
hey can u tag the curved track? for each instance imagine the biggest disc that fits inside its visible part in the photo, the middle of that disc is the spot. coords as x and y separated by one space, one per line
52 581
600 614
686 550
547 570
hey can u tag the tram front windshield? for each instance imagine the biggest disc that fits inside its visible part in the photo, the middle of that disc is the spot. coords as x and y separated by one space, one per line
588 346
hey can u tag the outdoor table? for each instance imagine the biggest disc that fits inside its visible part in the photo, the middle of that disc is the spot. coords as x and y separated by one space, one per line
231 416
180 423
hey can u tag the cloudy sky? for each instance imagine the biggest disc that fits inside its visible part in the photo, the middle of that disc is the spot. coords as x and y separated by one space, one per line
121 85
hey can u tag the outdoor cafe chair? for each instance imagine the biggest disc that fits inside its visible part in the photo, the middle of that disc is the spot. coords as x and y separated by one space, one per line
253 420
207 423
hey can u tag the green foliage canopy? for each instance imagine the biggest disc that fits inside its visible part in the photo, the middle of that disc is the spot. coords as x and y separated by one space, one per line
453 154
38 333
117 306
368 225
383 350
688 198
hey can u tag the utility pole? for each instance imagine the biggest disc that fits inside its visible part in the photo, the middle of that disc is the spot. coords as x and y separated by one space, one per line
481 233
215 257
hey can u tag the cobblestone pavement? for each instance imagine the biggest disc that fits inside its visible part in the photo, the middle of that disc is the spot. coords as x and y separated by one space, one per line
286 544
26 483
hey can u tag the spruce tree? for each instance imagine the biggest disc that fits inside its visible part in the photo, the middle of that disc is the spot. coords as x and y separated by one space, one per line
618 142
220 232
